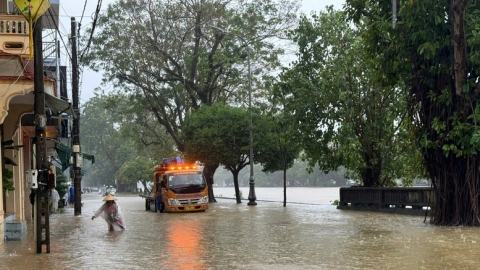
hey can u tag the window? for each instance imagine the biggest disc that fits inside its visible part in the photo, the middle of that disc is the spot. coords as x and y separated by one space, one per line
13 45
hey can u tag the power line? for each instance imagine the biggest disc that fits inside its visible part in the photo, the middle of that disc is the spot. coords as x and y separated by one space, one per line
97 12
83 12
61 38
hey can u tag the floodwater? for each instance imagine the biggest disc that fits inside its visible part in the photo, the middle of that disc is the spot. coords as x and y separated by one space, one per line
309 233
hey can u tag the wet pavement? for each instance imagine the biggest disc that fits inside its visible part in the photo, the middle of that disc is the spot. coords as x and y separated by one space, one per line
238 236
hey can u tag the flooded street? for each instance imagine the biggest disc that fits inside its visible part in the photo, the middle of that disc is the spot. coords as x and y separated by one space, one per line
238 236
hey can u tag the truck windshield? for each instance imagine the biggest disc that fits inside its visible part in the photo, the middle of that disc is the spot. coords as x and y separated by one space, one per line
178 179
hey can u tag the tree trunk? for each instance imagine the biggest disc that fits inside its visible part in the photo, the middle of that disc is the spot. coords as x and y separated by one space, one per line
455 178
456 190
237 188
459 43
370 175
209 172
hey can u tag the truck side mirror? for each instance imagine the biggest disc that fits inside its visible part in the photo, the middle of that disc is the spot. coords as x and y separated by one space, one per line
162 184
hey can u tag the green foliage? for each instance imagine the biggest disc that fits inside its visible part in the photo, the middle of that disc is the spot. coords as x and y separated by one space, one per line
62 184
170 59
6 183
433 51
424 59
7 174
217 134
102 135
139 169
345 110
278 146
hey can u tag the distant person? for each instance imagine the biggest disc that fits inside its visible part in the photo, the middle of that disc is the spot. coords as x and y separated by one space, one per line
65 199
159 203
55 198
71 195
111 213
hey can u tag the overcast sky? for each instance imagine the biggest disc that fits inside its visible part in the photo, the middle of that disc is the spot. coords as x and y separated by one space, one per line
73 8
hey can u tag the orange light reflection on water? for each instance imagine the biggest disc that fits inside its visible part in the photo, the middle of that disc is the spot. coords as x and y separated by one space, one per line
184 246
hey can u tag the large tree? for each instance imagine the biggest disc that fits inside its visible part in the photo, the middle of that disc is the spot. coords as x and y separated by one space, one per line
138 124
344 110
219 134
172 55
279 146
434 50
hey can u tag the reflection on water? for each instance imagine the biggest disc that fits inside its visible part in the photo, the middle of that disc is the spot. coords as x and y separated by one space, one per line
185 247
237 236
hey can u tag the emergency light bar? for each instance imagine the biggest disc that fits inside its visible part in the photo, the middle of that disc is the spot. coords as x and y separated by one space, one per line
173 168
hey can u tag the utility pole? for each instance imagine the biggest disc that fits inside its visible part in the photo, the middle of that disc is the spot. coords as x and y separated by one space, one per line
42 213
77 155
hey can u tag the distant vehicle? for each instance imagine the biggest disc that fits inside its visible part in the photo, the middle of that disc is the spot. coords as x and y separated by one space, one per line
351 182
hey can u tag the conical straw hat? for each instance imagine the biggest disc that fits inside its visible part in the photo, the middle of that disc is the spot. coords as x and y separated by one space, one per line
110 197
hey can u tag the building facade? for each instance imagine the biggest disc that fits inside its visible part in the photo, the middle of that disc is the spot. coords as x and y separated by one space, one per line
17 116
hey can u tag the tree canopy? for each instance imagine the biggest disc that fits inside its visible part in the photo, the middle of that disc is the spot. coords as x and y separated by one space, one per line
101 137
219 134
433 50
172 56
344 111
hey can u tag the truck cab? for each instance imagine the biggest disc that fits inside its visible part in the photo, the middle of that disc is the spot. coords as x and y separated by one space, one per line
178 187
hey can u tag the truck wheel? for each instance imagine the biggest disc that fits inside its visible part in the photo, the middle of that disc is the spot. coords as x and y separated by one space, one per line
147 205
152 206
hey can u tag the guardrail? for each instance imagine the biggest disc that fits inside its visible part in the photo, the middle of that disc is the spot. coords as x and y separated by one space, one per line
404 200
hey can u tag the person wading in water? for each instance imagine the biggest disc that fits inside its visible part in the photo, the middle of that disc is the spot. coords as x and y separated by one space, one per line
110 211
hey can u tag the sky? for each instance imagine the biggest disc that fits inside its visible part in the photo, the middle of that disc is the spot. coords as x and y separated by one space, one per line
89 79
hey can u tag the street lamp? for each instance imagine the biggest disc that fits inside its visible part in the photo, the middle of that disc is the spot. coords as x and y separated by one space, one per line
251 194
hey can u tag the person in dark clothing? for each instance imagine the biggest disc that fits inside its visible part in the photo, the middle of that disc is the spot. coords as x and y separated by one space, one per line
71 195
32 200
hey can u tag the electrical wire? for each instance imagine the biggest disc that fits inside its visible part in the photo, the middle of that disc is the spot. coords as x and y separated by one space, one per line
83 13
97 12
61 38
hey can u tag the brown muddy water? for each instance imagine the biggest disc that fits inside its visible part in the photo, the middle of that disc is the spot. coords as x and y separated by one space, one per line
309 233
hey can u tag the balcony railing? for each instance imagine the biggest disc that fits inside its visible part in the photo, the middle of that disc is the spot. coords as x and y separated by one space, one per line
13 25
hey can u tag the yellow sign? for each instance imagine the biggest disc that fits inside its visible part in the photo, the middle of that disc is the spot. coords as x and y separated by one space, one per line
32 10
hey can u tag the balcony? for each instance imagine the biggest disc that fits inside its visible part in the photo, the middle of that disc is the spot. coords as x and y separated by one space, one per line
14 32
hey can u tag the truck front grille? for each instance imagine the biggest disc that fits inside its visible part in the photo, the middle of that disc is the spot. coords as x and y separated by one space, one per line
189 201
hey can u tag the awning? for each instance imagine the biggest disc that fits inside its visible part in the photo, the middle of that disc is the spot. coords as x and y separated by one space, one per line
64 152
58 106
89 157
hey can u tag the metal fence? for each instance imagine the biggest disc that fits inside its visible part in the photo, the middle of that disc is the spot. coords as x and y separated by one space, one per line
386 199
